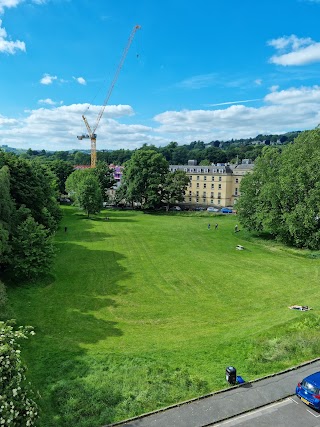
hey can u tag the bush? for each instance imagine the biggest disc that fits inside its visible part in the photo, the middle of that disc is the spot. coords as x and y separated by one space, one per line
17 406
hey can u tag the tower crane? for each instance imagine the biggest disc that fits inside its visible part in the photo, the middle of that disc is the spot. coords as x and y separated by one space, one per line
92 131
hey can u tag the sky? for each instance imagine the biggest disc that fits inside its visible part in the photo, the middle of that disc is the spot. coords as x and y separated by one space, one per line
196 70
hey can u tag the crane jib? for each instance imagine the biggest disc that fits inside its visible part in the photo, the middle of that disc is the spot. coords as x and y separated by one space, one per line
92 132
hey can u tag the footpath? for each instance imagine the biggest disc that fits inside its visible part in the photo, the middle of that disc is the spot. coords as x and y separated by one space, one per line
216 407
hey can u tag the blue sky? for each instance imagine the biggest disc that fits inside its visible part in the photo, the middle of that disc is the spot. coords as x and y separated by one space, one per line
196 70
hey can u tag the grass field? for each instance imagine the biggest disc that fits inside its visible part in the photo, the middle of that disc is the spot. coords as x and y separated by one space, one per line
145 310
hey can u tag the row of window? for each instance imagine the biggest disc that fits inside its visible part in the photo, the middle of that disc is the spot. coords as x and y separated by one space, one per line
204 194
204 200
212 178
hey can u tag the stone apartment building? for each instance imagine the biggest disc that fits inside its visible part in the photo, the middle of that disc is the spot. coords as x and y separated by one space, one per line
215 185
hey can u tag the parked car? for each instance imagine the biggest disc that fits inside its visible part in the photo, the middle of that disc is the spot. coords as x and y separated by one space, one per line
308 390
226 210
212 209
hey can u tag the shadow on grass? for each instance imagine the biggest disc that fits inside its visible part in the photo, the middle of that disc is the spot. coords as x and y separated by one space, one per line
69 311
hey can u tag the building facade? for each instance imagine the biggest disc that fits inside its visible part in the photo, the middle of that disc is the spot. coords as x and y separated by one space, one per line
215 185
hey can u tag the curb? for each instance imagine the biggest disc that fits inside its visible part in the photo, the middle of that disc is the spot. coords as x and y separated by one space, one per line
176 405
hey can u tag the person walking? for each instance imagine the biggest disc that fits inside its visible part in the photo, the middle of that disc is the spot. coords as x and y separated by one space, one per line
236 228
209 226
216 227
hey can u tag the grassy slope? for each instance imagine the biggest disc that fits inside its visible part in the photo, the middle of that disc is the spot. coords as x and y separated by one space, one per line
151 309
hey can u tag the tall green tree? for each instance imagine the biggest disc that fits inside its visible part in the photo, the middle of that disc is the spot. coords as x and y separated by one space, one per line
33 185
62 169
144 176
32 249
90 195
174 187
105 177
282 195
7 210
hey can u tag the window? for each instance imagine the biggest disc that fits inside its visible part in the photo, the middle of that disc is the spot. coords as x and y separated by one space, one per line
212 178
206 170
197 200
198 177
220 170
219 201
197 193
204 185
220 178
212 186
204 195
204 200
211 201
237 181
219 195
205 178
198 185
212 195
190 193
219 186
190 199
190 184
236 191
185 169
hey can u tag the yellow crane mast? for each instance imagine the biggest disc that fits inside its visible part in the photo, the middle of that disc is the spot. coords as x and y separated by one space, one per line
92 131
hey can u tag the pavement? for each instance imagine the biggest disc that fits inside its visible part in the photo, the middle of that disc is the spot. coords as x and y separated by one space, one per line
216 407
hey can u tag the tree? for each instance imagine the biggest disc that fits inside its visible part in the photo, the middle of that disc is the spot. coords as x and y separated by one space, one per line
32 248
89 195
174 187
33 185
282 195
105 177
62 170
7 210
16 398
144 176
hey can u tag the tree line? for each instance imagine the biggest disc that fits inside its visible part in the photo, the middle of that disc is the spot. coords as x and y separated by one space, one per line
281 197
29 215
213 152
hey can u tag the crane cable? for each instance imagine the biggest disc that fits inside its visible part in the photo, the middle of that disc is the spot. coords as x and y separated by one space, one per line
115 78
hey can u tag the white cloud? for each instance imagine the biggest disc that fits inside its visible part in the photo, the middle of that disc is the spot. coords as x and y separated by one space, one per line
296 108
302 95
47 79
7 46
301 51
274 88
8 4
258 82
47 101
80 80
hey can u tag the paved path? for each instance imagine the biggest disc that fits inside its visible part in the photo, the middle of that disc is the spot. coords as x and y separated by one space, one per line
227 403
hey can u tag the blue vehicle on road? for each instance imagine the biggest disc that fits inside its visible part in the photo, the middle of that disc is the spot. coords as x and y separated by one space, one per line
226 210
308 390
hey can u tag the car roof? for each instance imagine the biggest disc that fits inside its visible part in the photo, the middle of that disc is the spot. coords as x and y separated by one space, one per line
314 379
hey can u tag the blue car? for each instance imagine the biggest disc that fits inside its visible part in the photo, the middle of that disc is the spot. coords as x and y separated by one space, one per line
308 390
226 210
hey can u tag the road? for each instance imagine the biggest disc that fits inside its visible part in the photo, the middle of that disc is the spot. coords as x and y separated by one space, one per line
290 412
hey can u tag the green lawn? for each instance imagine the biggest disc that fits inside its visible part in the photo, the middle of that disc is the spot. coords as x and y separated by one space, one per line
144 310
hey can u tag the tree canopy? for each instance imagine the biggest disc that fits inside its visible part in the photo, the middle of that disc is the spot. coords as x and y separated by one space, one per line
144 176
29 215
282 194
